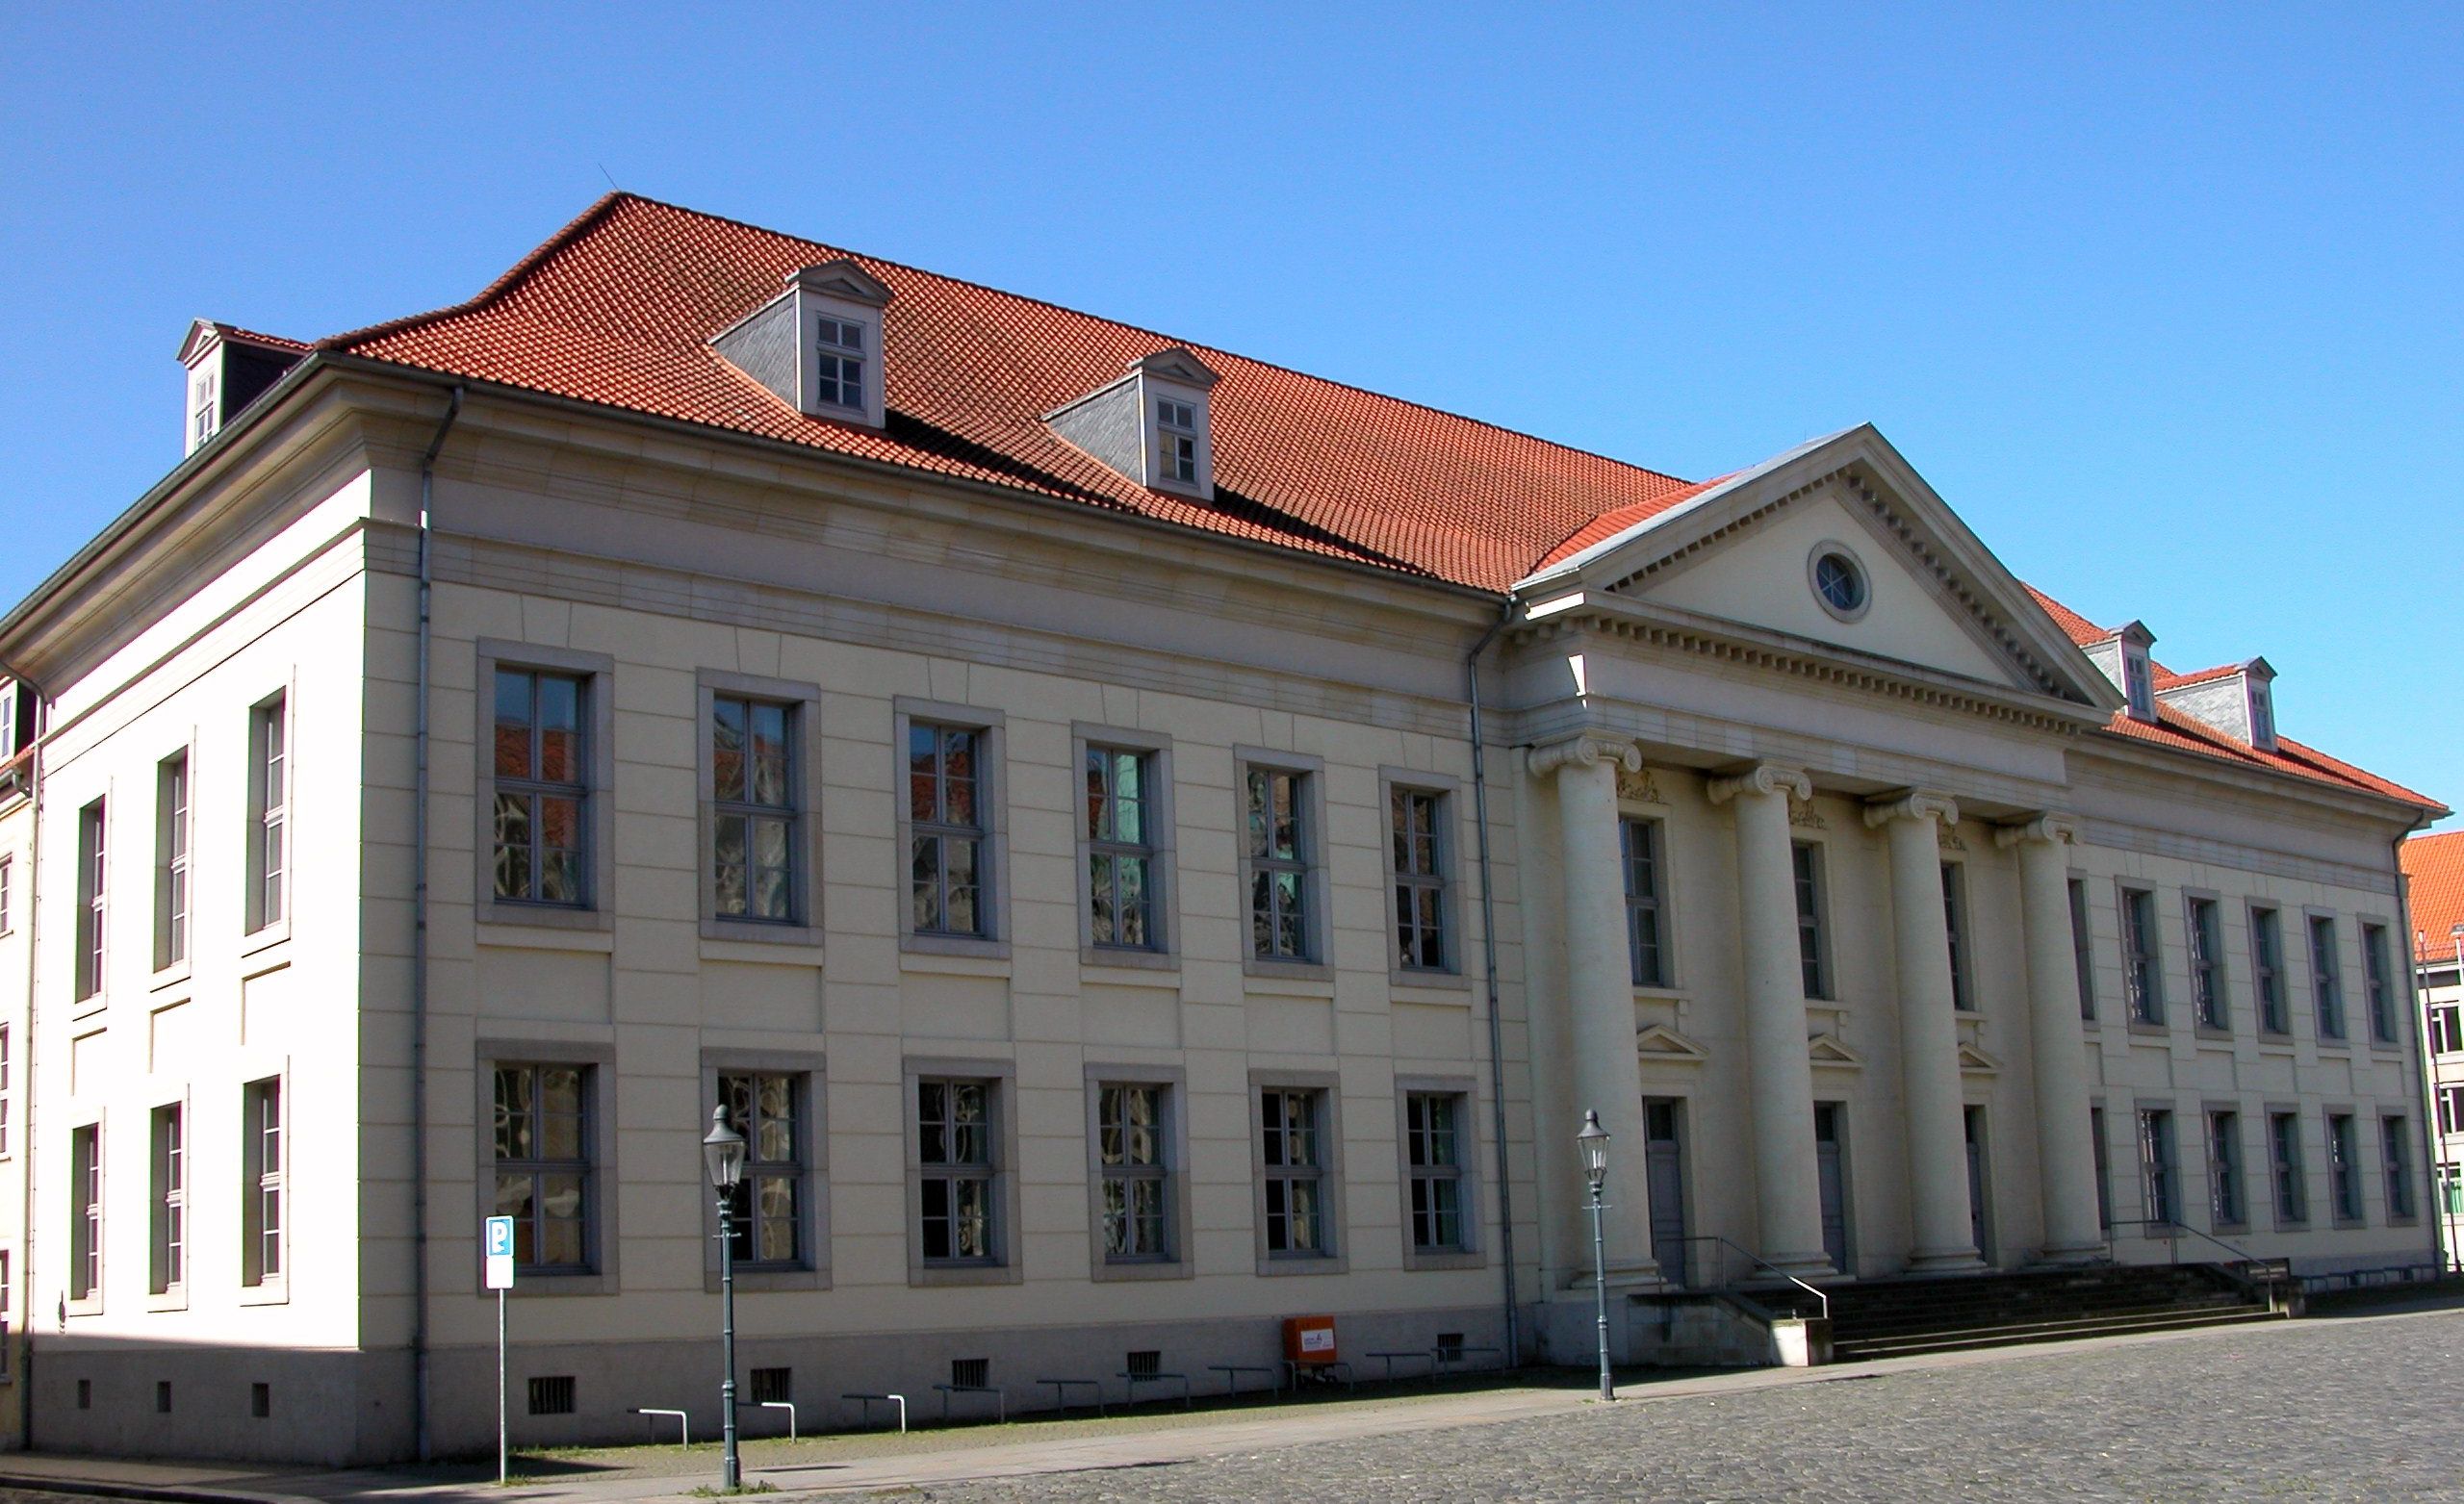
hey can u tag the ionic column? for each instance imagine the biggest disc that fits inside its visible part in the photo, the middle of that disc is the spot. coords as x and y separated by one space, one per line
1786 1185
2065 1156
1929 1040
1600 985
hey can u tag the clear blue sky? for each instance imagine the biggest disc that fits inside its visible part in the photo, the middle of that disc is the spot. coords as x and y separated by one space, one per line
2165 302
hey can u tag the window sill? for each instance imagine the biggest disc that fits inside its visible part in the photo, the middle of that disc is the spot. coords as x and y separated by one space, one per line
2207 1033
87 1007
91 1306
1109 957
985 962
1416 1261
171 976
265 939
2406 1219
518 935
761 1281
953 947
1410 988
1278 1265
2144 1029
1254 965
1399 979
783 947
1644 993
510 918
937 1276
1104 1272
271 1293
1313 982
173 1299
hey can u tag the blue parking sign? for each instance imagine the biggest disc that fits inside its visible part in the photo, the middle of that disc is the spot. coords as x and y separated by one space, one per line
499 1244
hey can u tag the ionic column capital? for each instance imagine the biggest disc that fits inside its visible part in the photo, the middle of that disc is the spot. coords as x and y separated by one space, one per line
1915 804
1585 750
2050 827
1764 778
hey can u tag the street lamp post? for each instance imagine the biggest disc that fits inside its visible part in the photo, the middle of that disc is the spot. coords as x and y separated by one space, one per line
1593 1141
723 1150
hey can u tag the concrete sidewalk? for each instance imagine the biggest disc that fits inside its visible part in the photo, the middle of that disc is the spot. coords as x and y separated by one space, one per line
842 1461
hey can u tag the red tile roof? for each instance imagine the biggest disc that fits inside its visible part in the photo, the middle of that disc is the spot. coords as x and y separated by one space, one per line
618 308
2082 631
2166 678
271 342
2435 866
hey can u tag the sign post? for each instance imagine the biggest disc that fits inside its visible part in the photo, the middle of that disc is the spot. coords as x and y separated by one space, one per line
500 1263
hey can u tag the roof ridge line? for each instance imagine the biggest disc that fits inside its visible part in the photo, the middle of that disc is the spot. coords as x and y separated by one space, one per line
504 280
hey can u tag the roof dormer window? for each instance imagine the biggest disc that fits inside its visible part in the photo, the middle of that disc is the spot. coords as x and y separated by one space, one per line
203 412
2262 714
2136 685
818 344
1176 439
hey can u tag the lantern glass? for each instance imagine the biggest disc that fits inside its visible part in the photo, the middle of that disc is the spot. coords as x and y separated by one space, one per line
1593 1141
723 1150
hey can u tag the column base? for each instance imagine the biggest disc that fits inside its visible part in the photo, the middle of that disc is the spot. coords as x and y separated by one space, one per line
1946 1261
2075 1253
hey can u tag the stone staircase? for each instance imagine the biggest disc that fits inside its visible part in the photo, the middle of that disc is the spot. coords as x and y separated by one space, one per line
1889 1318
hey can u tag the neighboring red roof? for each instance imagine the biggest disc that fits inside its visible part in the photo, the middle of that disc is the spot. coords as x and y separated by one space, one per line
2435 866
619 308
2166 678
273 342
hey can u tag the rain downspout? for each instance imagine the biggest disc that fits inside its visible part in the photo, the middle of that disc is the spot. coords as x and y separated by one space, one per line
23 1275
1489 965
418 954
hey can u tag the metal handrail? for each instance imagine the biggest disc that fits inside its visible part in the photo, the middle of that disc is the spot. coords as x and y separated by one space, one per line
1756 1259
2173 1234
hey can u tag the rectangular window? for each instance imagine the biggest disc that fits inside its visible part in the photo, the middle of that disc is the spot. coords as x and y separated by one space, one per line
8 1315
8 885
171 1199
2104 1169
1416 819
2450 1189
544 1154
268 813
2226 1204
2284 1155
2327 978
541 788
1646 943
1955 925
263 1171
752 809
1433 1148
2157 1167
171 861
93 902
2343 1165
1121 849
8 1095
2380 983
2205 932
2446 1023
947 820
1137 1188
1813 950
2450 1109
86 1212
1296 1169
2082 950
2267 971
1176 439
1281 848
839 375
2139 956
765 1227
2396 1153
954 1145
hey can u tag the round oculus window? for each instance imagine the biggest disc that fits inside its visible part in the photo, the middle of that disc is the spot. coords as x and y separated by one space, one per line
1840 581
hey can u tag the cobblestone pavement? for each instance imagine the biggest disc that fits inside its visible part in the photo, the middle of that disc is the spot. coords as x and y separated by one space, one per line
2343 1410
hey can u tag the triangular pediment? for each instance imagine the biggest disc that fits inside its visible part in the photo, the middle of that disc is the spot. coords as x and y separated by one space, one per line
1972 1057
1659 1042
1828 1050
1767 549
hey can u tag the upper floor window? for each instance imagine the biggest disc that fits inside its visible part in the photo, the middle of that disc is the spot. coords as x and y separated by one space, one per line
2083 948
2380 983
2327 978
838 363
2137 685
1813 947
1955 925
1282 848
2267 971
542 787
947 811
171 861
1646 943
268 813
1121 849
8 1097
1176 439
2206 939
752 809
2445 1027
92 899
2450 1109
203 410
8 895
2139 964
1417 819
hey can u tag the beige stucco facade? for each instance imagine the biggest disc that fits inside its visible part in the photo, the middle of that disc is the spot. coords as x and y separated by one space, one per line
1684 682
